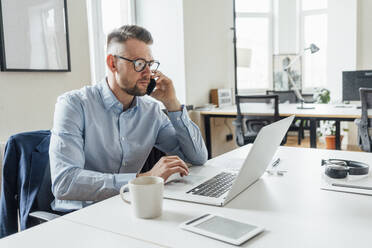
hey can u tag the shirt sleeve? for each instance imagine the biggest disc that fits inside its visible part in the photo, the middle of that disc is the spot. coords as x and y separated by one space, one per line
180 136
70 181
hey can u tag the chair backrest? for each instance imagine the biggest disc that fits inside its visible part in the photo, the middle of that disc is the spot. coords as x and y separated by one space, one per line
24 168
248 124
284 96
268 103
364 124
45 196
308 97
152 159
366 100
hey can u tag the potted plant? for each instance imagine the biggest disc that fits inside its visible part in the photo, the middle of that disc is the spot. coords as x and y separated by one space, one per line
327 129
322 95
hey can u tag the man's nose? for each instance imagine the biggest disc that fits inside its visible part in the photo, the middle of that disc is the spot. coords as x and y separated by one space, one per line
147 69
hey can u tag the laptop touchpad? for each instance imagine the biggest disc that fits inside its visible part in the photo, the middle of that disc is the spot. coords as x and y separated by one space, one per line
176 179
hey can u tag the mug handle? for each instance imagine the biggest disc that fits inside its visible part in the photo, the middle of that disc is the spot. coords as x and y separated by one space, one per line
124 187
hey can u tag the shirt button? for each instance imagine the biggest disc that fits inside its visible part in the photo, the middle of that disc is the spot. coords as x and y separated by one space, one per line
122 138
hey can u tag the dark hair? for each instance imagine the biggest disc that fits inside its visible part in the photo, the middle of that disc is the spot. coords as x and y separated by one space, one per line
127 32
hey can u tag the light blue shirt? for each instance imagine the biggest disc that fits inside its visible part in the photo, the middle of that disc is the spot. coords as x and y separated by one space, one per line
96 147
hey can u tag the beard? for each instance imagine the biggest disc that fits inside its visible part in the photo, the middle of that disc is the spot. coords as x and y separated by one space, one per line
133 91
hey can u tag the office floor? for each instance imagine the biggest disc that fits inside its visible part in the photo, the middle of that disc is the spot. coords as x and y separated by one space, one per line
292 141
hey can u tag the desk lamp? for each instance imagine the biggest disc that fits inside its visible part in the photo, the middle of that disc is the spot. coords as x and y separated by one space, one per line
313 48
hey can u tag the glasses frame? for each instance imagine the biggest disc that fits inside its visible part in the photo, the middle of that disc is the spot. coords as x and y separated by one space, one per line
149 63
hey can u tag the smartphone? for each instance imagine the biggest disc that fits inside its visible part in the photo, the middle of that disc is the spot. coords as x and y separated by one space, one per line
151 86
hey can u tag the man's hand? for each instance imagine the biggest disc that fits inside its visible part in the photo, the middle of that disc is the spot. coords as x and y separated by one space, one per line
165 92
167 166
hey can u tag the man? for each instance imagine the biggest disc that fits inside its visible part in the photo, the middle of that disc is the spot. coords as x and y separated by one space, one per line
102 134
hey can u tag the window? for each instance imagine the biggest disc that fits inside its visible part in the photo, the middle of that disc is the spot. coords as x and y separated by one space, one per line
103 17
254 44
115 13
314 24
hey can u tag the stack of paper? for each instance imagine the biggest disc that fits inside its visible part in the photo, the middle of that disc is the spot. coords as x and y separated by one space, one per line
350 184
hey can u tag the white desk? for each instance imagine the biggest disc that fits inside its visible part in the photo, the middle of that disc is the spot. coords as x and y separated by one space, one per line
60 233
287 109
293 209
335 112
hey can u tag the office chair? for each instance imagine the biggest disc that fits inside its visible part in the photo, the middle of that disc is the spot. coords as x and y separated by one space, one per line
247 125
26 185
365 123
154 156
284 96
299 125
309 98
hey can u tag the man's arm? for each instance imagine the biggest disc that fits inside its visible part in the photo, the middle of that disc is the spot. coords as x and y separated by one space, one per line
70 181
182 138
178 135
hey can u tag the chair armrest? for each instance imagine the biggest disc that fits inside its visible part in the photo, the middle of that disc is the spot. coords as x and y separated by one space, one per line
361 124
364 139
357 122
238 131
42 215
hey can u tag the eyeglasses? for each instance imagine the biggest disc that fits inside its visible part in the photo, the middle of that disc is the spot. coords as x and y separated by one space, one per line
140 64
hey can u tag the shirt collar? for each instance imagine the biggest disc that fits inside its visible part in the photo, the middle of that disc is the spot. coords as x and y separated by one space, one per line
110 100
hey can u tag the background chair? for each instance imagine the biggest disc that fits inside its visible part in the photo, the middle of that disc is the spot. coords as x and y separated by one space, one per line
364 123
247 125
284 96
290 97
152 159
308 97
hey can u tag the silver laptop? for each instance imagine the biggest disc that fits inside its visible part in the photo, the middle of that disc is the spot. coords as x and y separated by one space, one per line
214 186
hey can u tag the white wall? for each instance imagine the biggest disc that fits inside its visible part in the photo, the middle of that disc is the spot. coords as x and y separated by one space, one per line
164 19
27 99
364 61
286 37
208 48
342 43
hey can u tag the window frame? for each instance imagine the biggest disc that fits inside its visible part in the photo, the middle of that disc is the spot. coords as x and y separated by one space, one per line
270 16
97 37
302 14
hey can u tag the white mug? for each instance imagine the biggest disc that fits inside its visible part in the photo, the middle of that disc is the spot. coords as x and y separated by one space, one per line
147 196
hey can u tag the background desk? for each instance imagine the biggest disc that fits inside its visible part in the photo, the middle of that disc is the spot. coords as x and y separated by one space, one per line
321 112
293 209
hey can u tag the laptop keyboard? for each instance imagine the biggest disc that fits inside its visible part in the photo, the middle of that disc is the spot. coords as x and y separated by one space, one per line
216 186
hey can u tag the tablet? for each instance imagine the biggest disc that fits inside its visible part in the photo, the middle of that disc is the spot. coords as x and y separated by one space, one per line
222 228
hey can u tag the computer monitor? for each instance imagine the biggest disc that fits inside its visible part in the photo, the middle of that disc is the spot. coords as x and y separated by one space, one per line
352 81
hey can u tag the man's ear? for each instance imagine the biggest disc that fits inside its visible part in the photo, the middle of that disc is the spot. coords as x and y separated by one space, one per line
110 61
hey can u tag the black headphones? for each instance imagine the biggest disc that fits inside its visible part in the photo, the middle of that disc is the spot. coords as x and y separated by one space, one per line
339 168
